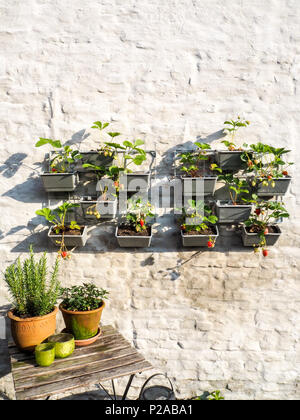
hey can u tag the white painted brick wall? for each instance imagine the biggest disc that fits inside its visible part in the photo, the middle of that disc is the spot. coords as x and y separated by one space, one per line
169 72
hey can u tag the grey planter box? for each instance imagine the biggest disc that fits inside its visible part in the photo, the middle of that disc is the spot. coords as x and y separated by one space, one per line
230 160
54 182
190 185
109 210
133 180
198 240
250 239
133 241
228 213
70 240
93 158
281 187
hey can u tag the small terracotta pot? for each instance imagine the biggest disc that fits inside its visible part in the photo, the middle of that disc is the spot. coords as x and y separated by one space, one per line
82 324
29 332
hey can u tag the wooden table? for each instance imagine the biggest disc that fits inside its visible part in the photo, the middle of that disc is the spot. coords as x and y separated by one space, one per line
110 357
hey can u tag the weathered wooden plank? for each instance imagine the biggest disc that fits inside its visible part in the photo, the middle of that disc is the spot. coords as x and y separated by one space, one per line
71 364
70 384
106 343
98 366
107 330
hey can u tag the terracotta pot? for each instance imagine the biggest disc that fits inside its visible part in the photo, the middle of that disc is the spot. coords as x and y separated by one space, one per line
82 324
29 332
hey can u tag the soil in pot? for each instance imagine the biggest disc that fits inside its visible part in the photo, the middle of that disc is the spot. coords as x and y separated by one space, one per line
68 231
127 230
205 232
257 229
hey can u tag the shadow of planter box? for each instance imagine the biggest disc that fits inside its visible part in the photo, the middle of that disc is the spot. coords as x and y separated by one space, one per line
70 240
54 182
229 213
281 187
110 207
134 180
134 241
93 158
198 240
250 239
230 160
190 185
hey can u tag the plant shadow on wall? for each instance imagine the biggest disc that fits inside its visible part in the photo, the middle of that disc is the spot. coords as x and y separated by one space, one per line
11 166
166 165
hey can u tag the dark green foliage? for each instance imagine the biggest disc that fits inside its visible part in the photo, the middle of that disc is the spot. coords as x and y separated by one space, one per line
32 295
83 298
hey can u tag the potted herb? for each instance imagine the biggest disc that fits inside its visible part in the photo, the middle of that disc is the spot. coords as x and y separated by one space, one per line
64 234
261 230
82 308
136 232
238 208
270 171
234 157
34 295
104 155
104 203
195 166
199 227
61 175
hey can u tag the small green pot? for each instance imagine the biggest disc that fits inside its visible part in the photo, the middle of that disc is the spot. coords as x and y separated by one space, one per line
64 344
45 354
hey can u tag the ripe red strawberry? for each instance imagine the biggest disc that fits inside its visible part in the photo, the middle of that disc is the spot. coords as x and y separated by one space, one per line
142 222
269 177
285 173
265 252
257 211
64 254
210 244
53 170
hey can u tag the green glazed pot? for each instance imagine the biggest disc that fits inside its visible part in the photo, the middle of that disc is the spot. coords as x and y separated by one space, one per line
64 344
45 354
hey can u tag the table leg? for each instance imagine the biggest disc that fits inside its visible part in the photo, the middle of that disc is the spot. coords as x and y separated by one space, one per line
127 387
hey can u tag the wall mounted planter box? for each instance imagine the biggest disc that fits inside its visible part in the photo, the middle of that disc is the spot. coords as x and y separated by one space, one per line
133 241
54 182
134 179
110 207
230 160
198 240
93 158
209 185
229 213
250 239
70 240
281 187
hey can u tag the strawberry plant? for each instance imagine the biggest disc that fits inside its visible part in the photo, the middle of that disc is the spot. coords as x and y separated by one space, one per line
265 214
57 217
137 212
268 164
191 161
236 186
198 217
104 148
63 158
232 126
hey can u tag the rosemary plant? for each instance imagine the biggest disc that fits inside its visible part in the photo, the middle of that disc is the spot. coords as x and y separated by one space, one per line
32 293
